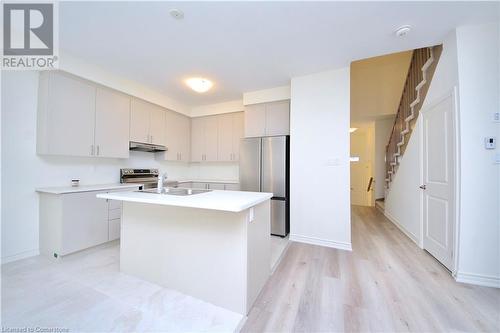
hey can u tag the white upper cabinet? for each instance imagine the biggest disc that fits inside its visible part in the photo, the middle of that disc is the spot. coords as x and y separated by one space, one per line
225 137
204 139
139 120
255 120
80 118
216 138
66 115
267 119
157 125
238 133
147 122
278 118
230 133
177 137
112 123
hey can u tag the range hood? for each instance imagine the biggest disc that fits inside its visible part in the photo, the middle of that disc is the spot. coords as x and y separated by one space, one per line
148 147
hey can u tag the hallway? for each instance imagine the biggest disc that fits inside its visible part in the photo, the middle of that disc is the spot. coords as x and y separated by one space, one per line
386 284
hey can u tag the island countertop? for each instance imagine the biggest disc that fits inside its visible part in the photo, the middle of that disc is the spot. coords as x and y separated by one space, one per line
230 201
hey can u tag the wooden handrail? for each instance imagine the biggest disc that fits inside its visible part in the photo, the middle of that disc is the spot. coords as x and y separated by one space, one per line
420 72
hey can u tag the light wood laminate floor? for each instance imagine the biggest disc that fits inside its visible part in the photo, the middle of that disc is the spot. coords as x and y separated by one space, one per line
385 284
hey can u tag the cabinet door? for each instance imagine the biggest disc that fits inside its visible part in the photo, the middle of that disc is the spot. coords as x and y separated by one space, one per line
197 139
157 125
139 120
216 186
71 116
255 120
238 133
211 138
232 187
198 185
225 137
172 138
184 142
85 221
278 118
112 124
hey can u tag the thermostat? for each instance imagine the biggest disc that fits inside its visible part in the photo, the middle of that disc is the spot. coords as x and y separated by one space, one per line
490 142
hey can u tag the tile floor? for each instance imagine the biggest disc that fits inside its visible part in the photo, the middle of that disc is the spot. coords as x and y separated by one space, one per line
86 292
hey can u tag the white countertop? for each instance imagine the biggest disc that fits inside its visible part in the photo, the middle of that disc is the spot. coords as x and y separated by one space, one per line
230 201
86 188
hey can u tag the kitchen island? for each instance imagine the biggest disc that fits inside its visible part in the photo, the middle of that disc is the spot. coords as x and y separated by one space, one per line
213 245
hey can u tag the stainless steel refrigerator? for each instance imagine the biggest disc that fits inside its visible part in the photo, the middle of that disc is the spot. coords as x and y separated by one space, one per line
264 167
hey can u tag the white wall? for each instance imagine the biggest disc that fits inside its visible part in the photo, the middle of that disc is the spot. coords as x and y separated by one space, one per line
225 107
403 199
470 61
319 176
383 128
23 170
266 95
478 67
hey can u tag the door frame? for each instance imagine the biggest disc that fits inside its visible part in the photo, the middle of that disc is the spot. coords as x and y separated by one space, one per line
453 93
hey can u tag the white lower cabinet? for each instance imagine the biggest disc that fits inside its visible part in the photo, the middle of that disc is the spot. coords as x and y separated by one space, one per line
72 222
212 186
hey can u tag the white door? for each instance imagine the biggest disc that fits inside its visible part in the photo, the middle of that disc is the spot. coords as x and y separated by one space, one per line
112 123
361 171
438 187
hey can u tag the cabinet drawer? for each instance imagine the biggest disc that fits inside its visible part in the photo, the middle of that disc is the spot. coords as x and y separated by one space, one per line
114 229
114 204
114 214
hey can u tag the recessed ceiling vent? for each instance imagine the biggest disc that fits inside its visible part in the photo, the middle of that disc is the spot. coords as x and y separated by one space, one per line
176 14
403 30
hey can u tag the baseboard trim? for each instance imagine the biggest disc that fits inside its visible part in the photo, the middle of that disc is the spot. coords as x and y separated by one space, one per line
478 279
402 228
321 242
19 256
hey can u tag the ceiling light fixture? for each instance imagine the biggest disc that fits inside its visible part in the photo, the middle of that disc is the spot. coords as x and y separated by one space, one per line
199 84
403 30
352 129
176 14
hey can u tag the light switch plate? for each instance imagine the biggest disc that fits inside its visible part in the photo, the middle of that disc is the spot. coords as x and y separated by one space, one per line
496 117
490 142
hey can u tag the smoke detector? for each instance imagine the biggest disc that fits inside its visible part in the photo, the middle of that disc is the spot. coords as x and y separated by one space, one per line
403 30
176 14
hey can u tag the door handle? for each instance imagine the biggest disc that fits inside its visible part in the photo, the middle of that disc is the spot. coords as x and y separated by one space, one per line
423 187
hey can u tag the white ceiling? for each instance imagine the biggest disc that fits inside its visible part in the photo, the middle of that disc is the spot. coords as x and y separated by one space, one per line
246 46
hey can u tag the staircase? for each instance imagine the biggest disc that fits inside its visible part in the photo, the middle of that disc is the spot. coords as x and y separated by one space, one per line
422 66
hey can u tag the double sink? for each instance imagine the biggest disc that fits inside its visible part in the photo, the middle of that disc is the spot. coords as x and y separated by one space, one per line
175 191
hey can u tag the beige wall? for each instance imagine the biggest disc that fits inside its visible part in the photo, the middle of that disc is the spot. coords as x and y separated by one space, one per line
377 84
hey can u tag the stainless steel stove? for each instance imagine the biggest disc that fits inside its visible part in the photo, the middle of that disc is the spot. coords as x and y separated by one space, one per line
148 177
